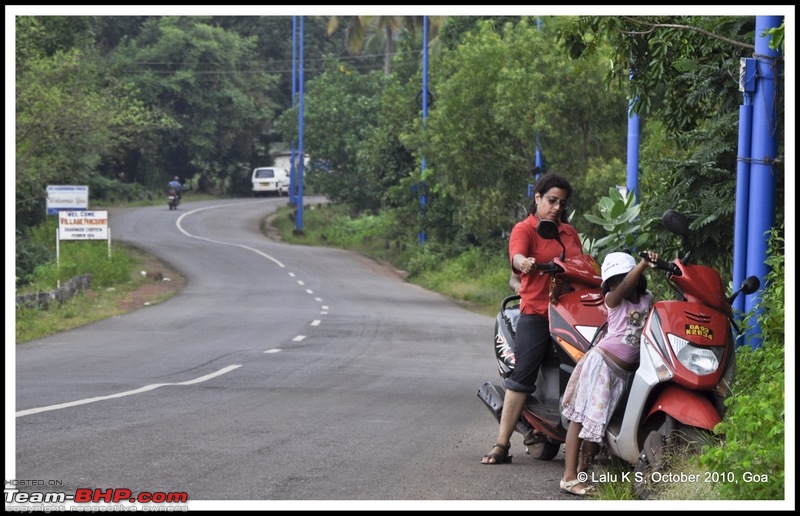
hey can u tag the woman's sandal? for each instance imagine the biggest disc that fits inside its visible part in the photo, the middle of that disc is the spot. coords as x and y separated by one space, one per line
567 487
499 458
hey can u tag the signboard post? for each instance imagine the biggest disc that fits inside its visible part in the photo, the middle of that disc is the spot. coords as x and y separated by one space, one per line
82 225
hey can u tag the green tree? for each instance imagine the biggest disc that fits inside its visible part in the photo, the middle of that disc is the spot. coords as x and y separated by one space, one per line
494 93
340 113
683 74
213 85
71 113
273 35
380 32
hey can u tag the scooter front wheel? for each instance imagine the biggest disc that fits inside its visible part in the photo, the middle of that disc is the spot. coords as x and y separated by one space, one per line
670 440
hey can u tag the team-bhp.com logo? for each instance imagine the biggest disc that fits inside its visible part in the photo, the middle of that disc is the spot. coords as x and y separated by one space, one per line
83 499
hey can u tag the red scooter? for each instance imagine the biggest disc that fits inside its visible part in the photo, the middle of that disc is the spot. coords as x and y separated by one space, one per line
677 394
577 314
685 370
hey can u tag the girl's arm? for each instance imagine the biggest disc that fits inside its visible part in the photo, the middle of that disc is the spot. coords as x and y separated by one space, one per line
630 281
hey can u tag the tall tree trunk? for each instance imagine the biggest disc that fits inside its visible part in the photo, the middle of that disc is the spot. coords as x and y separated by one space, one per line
387 58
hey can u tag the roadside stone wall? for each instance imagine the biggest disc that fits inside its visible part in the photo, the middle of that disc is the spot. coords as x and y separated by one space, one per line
43 300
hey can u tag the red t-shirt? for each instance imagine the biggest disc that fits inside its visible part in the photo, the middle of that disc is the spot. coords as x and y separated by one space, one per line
524 240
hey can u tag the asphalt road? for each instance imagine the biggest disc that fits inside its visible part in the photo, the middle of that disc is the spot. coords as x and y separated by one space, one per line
282 375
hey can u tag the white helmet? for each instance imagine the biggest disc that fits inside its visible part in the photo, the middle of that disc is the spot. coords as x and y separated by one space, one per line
615 264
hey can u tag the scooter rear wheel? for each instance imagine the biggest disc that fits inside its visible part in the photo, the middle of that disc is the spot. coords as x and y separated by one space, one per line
545 450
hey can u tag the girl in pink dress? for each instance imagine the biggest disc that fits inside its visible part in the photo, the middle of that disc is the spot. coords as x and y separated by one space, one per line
596 384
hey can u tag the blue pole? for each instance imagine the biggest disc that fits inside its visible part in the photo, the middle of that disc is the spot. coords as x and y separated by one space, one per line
538 161
422 194
747 86
293 169
300 151
632 180
764 146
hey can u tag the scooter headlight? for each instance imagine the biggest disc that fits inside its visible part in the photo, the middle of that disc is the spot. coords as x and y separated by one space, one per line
697 359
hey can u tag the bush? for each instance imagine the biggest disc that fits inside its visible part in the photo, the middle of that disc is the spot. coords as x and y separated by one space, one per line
30 254
102 188
79 258
76 258
754 425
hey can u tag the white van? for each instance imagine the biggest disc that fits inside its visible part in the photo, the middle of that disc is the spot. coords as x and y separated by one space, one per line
270 180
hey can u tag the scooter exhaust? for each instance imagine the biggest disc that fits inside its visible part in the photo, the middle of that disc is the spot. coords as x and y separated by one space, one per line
492 396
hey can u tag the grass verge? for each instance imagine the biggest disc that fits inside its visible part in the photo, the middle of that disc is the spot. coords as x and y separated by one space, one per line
158 283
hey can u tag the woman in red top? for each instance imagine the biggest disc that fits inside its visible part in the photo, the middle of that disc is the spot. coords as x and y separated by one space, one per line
525 248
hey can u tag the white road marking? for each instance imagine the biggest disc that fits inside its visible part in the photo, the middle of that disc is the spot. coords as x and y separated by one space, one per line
180 228
146 388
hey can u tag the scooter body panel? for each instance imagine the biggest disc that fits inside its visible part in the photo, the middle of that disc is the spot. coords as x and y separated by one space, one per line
504 335
575 319
688 407
696 324
623 431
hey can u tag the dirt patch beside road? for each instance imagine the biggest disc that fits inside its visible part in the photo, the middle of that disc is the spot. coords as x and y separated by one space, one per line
159 282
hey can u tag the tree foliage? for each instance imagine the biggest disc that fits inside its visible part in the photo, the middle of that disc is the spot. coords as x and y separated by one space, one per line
71 114
340 112
498 91
683 73
211 83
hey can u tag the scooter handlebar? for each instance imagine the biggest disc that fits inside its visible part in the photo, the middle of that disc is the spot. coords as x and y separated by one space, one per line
663 265
548 267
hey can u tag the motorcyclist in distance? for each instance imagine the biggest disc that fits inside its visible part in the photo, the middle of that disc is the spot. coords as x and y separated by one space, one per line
176 185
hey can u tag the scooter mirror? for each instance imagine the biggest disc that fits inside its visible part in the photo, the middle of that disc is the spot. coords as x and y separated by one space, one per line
750 285
675 222
547 229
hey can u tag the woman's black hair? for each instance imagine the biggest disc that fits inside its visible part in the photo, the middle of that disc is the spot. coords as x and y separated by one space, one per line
544 184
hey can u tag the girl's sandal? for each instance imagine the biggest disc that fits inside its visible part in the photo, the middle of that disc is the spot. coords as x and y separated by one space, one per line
569 487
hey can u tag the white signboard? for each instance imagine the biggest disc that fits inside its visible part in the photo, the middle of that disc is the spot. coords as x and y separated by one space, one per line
83 225
66 197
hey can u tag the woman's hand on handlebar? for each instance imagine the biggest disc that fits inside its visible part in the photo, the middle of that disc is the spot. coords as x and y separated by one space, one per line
526 265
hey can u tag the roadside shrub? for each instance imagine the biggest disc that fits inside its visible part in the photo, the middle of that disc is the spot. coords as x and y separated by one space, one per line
102 188
754 425
30 254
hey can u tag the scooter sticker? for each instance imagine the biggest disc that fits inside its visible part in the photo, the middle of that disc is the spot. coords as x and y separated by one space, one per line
503 349
699 330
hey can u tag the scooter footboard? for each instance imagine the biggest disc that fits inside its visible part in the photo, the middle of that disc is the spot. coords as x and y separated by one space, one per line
690 408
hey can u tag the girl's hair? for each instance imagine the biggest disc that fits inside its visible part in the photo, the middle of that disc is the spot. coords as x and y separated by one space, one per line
544 184
641 287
